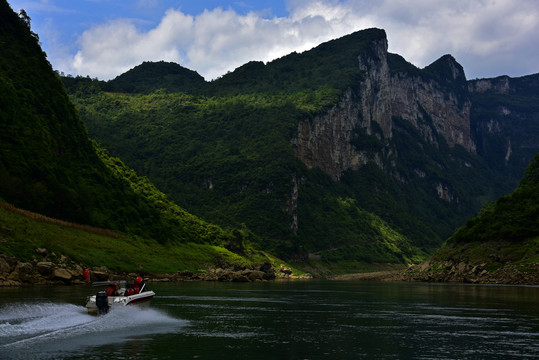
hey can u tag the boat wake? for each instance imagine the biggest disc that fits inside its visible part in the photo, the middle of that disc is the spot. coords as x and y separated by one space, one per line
48 330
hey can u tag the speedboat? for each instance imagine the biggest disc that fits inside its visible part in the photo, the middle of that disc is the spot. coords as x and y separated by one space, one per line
118 294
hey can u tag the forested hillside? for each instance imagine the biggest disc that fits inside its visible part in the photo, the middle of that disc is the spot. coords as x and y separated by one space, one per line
229 160
49 165
233 150
499 245
340 157
511 218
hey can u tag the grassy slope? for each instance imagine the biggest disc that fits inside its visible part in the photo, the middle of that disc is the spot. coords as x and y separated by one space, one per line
22 234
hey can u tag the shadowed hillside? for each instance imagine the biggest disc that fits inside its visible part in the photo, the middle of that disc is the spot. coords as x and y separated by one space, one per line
49 166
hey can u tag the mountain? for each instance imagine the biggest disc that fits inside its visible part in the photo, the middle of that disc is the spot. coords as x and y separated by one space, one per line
345 153
40 133
148 77
48 165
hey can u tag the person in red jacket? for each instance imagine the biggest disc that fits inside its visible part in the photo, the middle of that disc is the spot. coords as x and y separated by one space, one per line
139 282
138 286
112 290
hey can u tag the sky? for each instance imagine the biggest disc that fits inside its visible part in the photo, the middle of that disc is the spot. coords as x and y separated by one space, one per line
104 38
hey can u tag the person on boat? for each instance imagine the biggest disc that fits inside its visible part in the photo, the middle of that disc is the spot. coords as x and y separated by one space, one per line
139 282
137 287
112 290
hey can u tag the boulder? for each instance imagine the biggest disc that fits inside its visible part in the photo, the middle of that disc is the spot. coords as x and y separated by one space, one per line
5 268
45 268
257 275
424 266
284 270
223 274
61 274
10 283
483 273
99 276
22 272
461 267
77 271
239 277
268 270
210 275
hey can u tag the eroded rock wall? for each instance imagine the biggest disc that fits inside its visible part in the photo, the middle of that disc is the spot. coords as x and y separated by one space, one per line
430 105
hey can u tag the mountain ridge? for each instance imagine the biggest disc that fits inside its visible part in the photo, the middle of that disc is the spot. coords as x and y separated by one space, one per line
340 157
372 134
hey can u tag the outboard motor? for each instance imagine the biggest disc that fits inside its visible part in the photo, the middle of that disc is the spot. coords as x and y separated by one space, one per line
102 302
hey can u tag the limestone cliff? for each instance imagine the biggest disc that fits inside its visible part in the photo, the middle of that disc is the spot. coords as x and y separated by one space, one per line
505 119
325 141
430 101
499 85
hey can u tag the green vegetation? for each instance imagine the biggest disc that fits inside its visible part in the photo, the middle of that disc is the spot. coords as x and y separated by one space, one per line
48 165
330 65
126 254
44 147
494 254
228 159
148 77
222 150
512 218
504 234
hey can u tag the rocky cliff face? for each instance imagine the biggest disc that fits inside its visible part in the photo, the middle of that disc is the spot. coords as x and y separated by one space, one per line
432 105
499 85
325 142
505 119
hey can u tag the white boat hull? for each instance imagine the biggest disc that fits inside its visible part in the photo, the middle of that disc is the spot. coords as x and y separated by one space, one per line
141 300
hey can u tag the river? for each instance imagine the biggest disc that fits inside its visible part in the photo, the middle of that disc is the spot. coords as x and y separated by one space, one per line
277 320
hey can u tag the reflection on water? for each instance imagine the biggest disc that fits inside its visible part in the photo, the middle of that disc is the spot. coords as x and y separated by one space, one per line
279 320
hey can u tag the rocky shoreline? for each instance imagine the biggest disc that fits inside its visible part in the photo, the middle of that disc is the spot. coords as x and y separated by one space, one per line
449 272
56 269
51 270
483 273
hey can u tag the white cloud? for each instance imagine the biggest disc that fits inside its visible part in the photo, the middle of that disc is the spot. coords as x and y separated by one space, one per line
487 37
110 49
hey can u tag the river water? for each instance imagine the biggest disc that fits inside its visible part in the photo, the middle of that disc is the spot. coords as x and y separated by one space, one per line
277 320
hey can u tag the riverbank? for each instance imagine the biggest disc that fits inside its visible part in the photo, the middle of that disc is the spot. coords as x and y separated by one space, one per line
63 271
462 272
